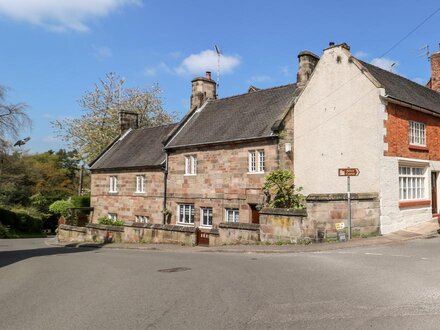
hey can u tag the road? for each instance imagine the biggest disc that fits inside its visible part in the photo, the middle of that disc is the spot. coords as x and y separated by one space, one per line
383 287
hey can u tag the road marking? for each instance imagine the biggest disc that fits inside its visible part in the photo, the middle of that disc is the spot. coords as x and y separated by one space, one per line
400 256
373 254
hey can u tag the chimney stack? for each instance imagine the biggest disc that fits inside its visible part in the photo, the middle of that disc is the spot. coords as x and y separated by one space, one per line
127 120
434 83
307 63
203 89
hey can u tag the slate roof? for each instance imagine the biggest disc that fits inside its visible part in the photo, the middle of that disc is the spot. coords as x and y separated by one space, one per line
235 118
141 147
405 90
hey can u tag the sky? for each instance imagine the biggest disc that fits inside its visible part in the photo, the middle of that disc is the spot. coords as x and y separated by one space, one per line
54 51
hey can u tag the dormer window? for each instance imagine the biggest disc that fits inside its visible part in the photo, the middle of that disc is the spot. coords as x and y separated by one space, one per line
417 133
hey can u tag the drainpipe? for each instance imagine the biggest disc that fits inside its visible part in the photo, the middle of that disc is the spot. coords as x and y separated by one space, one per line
165 179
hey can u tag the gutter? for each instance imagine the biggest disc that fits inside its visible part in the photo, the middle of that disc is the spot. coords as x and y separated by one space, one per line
410 105
165 179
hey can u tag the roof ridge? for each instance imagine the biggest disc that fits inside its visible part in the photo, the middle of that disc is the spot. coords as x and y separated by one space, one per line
398 75
147 127
253 93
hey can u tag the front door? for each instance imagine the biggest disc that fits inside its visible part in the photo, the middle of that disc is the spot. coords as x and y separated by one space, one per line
434 192
255 215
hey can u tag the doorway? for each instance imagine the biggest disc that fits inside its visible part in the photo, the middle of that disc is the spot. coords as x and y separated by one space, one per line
255 214
434 192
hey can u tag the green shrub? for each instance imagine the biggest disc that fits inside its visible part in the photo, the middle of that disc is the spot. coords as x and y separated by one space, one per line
22 219
4 232
61 207
282 191
110 222
80 201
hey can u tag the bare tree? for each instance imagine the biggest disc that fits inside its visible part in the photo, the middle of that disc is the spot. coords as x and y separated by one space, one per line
13 118
98 126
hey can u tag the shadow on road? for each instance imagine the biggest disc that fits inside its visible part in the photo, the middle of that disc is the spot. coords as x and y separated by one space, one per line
10 257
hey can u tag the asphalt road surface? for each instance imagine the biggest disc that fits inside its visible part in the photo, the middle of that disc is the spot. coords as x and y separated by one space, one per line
385 287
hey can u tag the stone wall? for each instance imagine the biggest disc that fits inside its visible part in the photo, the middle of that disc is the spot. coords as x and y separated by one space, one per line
222 180
104 234
155 233
238 233
325 210
66 233
127 203
284 225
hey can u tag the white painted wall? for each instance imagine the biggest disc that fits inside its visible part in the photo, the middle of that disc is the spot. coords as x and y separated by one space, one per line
393 217
338 122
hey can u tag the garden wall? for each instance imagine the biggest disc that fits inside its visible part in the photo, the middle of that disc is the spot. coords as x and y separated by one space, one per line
284 225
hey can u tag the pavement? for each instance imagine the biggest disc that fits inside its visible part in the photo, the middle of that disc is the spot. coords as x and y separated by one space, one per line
427 229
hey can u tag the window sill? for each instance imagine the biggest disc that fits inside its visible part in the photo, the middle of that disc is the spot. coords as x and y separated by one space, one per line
139 192
189 174
416 147
184 224
255 172
113 192
421 202
205 226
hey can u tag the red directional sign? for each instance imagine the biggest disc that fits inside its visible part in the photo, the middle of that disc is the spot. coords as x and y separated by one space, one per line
348 171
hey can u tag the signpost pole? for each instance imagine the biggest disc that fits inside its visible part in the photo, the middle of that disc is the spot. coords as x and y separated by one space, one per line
349 207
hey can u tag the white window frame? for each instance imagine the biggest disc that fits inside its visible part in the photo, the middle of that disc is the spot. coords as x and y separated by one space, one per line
417 133
141 219
113 184
256 161
412 183
235 215
140 183
188 214
206 214
112 216
190 165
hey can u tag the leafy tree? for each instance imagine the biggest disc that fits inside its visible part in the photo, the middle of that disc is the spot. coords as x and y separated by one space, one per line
279 185
13 117
38 179
99 124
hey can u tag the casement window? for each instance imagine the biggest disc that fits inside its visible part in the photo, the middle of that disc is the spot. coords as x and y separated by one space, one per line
185 213
112 216
191 165
256 161
141 218
411 183
206 216
113 184
417 133
140 183
232 215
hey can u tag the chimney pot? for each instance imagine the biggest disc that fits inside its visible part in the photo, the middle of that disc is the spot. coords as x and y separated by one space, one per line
208 75
331 44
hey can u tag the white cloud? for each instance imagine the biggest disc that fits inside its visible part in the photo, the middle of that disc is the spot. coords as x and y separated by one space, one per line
360 54
102 52
386 64
61 15
207 61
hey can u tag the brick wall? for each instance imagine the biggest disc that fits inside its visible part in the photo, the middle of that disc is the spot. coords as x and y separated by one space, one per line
222 179
435 72
126 203
397 137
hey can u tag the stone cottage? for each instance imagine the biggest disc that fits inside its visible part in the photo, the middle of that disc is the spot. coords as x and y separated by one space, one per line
128 177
